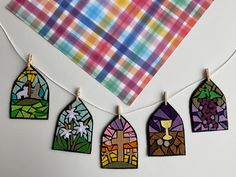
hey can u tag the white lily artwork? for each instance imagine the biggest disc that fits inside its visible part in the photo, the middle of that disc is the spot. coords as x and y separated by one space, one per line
65 133
71 114
82 129
74 129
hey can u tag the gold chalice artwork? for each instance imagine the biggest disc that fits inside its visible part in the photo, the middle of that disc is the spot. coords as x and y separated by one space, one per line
166 124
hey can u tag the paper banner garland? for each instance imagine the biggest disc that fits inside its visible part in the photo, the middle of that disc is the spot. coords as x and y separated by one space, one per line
119 149
29 96
165 136
74 129
208 108
120 43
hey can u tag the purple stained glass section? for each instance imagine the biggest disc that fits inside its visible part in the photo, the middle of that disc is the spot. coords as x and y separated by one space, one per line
165 132
208 108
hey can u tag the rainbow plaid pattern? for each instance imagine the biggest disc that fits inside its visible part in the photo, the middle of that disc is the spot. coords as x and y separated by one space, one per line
121 43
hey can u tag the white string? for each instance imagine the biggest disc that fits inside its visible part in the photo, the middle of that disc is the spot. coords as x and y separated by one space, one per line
52 80
184 88
102 109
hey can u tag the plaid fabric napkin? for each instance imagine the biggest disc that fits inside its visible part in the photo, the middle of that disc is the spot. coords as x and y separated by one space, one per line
120 43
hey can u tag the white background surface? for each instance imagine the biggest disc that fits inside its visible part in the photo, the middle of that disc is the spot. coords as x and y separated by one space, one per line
25 146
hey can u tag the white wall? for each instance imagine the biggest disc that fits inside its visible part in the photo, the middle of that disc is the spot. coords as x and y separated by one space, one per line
25 146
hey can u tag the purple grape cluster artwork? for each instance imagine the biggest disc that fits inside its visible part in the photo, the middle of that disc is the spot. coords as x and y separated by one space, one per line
208 108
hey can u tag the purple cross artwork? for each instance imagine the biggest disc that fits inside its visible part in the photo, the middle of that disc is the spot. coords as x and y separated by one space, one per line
165 135
208 108
119 146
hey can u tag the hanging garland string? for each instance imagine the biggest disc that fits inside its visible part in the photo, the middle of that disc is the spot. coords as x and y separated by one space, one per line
102 109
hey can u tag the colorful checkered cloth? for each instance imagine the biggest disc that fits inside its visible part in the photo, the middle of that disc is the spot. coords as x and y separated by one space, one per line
121 43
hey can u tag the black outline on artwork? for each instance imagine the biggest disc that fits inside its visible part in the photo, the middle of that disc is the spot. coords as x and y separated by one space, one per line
116 117
54 135
148 138
190 107
25 118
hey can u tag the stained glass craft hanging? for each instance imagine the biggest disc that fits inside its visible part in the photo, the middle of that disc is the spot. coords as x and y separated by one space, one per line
30 95
74 129
119 148
165 132
208 109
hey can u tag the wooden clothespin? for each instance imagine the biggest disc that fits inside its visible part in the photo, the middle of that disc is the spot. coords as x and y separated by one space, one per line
207 74
165 97
30 59
77 93
118 109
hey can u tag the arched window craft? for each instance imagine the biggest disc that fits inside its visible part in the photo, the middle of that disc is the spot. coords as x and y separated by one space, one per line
29 96
74 129
165 132
208 108
119 148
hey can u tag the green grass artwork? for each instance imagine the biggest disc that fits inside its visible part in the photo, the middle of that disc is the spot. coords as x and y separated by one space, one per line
29 96
74 129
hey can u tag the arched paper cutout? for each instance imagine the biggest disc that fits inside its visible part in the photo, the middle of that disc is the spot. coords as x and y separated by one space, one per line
119 148
208 108
29 96
165 135
74 129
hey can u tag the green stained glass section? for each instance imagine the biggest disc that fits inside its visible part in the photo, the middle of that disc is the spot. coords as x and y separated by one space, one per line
74 129
29 96
208 108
